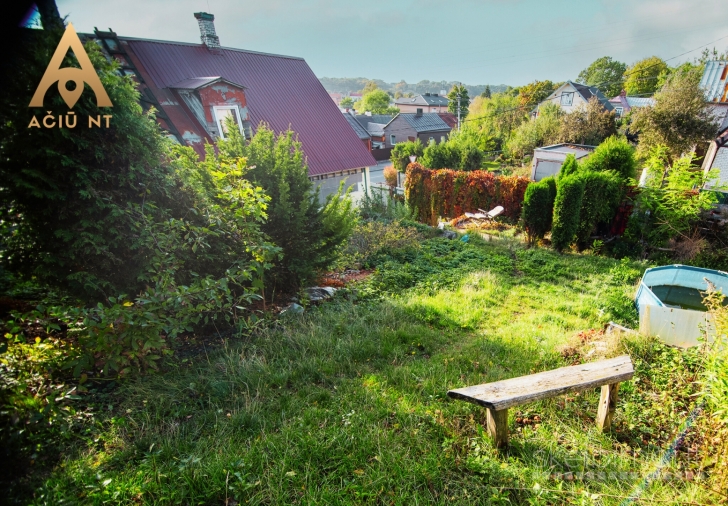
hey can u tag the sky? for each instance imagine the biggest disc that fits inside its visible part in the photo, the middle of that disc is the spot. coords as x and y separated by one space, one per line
473 41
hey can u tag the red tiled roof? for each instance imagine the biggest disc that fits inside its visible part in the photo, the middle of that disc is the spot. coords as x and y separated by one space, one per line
280 90
449 118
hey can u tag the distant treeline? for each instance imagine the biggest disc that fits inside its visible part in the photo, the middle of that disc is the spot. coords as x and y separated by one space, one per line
353 84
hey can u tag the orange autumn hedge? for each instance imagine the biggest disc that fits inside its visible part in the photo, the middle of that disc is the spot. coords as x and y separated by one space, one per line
450 193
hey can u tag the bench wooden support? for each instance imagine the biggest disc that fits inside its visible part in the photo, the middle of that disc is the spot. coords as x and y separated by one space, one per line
498 396
607 405
498 427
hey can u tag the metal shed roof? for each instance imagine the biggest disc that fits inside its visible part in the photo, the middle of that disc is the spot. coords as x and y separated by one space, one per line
281 91
715 81
427 122
360 130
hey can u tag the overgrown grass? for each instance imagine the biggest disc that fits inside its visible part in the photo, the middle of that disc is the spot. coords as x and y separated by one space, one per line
346 404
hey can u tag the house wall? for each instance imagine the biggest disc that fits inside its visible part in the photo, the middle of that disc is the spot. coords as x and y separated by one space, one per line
329 183
403 131
577 103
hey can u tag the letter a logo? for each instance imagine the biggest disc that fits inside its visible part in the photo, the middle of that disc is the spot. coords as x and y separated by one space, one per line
86 74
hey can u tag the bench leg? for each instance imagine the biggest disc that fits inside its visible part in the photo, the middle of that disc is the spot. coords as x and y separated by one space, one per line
607 405
498 427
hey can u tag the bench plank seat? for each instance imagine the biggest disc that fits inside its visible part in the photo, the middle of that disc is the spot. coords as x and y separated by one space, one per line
512 392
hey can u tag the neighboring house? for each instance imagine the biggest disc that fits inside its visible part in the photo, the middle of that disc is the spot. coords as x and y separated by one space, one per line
360 131
623 104
427 127
547 161
572 96
450 119
355 96
427 102
336 97
374 125
195 87
715 84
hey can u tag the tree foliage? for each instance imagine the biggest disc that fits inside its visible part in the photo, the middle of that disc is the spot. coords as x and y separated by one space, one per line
567 208
641 79
346 103
606 74
541 131
589 125
402 151
570 166
495 118
614 154
309 235
375 101
538 208
679 119
452 106
603 191
533 93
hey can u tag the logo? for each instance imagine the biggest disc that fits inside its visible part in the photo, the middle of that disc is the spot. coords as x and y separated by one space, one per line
85 74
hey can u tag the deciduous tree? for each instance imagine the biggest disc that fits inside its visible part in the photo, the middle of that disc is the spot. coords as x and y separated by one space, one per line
606 74
462 92
641 78
589 125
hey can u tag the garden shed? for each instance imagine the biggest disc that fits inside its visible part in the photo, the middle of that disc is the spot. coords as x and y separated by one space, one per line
670 302
547 160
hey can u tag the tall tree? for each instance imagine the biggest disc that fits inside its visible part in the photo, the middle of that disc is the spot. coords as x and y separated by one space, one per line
680 117
376 102
346 103
486 93
462 91
642 77
589 125
533 93
606 74
369 87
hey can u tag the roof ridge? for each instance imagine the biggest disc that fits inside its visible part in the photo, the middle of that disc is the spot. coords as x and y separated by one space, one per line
179 43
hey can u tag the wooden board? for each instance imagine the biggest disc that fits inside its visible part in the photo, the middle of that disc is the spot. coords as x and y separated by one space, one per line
512 392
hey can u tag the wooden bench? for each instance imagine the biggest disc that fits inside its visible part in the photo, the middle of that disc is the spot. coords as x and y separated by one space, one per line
498 396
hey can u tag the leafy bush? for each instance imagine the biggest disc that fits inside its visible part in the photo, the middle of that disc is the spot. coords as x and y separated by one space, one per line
541 131
441 155
308 234
589 125
538 206
570 166
567 207
382 206
471 158
447 193
603 191
372 237
390 176
615 154
402 151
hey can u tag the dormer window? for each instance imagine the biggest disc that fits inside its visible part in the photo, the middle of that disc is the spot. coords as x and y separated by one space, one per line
222 112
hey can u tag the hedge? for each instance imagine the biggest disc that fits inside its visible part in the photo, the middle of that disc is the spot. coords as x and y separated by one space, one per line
449 193
603 191
567 208
538 207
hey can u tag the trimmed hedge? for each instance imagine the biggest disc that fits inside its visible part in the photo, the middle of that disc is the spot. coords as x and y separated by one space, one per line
567 210
570 166
538 208
603 191
449 193
615 154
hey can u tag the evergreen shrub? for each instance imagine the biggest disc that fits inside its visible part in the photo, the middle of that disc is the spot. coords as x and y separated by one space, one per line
567 208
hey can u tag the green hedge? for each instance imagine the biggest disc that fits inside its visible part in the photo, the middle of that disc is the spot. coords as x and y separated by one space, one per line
567 209
603 191
569 167
538 206
615 154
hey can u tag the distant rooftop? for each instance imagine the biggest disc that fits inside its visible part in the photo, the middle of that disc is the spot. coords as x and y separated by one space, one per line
424 99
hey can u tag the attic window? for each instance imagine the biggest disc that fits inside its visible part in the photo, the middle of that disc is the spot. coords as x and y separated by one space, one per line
221 115
567 98
618 111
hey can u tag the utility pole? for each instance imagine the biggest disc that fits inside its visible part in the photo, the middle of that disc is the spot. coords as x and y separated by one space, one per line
458 95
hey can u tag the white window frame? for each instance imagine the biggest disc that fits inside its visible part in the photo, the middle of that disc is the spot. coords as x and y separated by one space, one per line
569 94
219 119
619 111
392 139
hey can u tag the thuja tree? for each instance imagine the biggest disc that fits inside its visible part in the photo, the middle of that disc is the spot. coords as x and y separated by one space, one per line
614 154
567 207
603 191
309 234
403 150
538 207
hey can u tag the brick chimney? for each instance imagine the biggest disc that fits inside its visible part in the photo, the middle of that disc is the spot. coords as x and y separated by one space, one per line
207 30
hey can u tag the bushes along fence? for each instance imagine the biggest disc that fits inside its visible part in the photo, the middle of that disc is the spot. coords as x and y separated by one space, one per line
449 193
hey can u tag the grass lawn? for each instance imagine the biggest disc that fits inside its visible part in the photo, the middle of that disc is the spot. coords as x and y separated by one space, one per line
346 404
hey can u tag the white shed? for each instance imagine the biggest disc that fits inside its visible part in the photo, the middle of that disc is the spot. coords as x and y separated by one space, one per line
547 160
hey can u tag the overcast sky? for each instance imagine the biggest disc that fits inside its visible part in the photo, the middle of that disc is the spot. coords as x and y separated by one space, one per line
473 41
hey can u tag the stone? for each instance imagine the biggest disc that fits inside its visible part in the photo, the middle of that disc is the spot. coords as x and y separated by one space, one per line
292 309
447 234
319 293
